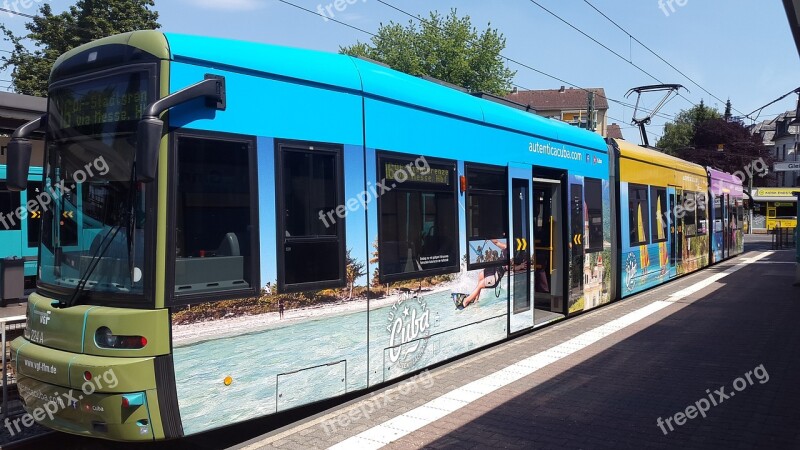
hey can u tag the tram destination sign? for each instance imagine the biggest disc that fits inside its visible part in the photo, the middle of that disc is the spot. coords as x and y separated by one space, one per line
786 166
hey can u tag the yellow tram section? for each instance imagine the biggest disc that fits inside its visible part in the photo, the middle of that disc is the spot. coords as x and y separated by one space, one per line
650 167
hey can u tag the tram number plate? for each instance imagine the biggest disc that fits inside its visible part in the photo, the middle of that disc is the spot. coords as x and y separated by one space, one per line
37 336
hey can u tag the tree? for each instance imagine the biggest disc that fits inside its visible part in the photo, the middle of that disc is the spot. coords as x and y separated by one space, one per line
728 114
730 147
54 34
678 135
448 48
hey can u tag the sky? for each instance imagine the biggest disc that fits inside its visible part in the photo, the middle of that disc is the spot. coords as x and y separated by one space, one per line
737 49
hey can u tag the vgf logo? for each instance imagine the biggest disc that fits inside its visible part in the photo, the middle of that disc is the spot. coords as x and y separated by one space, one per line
44 318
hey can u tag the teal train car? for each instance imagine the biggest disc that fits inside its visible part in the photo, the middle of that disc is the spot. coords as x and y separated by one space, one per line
19 233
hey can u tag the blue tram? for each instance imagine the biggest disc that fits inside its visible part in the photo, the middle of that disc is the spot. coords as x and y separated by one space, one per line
280 226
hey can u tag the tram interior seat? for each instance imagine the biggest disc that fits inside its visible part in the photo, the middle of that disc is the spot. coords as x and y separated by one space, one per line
223 268
229 246
113 265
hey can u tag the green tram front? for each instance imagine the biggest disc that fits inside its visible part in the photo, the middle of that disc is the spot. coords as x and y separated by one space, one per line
95 358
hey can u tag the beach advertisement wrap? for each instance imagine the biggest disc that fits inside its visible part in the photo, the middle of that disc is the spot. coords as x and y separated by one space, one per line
647 265
315 345
590 261
417 322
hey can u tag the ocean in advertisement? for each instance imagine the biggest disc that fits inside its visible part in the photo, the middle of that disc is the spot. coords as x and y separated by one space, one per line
275 365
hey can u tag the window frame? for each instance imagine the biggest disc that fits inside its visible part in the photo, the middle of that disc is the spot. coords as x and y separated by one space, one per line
646 216
654 191
15 202
593 248
693 213
498 170
173 298
337 150
404 158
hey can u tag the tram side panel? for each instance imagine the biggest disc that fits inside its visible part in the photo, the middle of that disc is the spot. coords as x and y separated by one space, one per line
726 215
663 219
327 323
304 337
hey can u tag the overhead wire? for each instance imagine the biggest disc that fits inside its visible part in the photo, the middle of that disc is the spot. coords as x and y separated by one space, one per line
590 37
529 67
634 38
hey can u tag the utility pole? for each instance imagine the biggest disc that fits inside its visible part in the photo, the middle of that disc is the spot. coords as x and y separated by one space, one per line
590 125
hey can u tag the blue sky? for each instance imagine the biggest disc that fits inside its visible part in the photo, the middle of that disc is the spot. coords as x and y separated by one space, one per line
740 49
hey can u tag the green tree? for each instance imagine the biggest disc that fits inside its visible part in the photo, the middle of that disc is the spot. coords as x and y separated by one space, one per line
448 48
729 146
54 34
679 135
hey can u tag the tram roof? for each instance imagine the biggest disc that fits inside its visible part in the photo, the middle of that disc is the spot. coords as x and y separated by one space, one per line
345 73
647 155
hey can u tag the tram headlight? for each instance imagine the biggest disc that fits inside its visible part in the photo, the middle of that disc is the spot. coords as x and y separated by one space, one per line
104 338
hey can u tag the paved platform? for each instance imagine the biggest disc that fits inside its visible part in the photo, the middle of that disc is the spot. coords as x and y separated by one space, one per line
711 360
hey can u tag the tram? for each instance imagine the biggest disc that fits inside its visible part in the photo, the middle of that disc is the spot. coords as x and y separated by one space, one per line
268 227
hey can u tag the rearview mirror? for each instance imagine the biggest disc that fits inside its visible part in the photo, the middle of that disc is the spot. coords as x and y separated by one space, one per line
148 143
19 162
148 132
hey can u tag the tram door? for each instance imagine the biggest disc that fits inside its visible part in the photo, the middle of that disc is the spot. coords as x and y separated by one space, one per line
676 232
520 307
726 223
548 246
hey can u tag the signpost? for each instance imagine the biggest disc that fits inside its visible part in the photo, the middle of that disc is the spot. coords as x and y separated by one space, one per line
786 166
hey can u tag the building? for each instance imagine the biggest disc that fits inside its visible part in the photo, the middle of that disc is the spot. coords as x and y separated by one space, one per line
776 206
568 105
614 132
782 137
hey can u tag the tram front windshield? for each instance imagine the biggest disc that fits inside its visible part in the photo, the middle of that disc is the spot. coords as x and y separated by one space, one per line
91 207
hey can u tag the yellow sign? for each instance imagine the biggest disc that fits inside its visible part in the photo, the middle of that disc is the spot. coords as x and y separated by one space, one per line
522 244
776 192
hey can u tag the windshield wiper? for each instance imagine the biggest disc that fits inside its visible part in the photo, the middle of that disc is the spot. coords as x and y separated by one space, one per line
130 225
93 263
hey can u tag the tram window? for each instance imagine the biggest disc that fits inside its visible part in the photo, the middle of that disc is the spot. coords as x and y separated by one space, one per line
594 204
785 210
214 216
9 204
487 215
418 219
310 232
718 219
702 213
690 206
659 213
639 219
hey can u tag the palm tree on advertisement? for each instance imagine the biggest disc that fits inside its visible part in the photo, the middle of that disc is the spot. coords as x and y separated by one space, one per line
354 271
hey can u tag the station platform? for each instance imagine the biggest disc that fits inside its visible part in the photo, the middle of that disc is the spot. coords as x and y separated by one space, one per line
711 360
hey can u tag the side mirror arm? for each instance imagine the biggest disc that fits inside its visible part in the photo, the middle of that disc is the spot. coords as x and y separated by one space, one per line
19 154
150 128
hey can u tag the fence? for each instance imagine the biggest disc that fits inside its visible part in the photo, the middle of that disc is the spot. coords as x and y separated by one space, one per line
784 238
10 328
